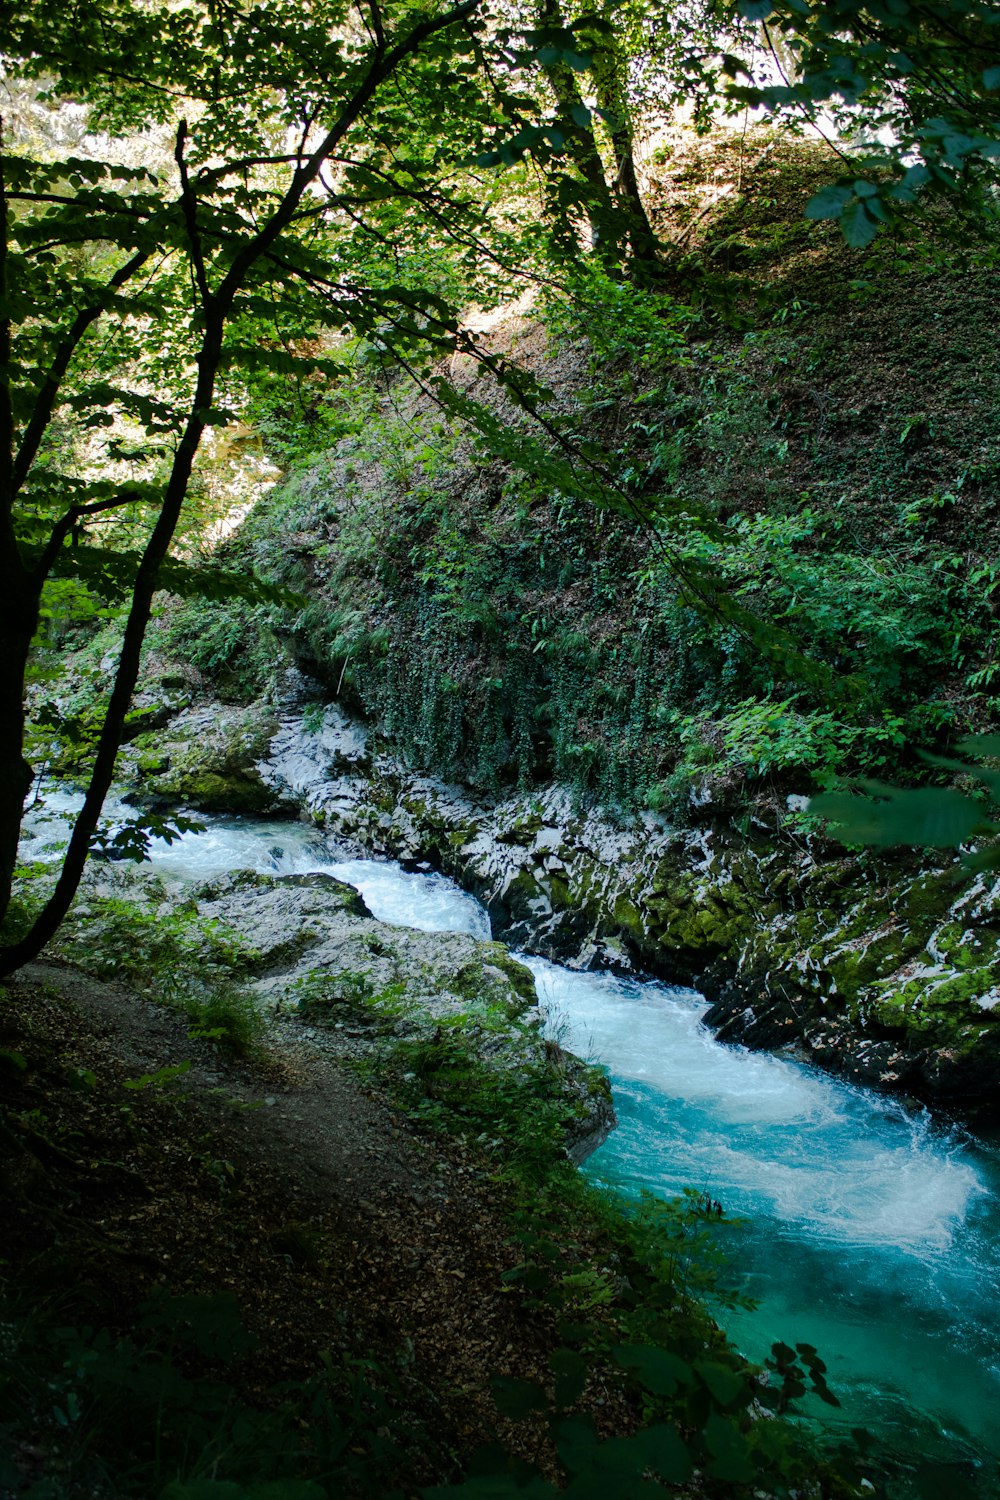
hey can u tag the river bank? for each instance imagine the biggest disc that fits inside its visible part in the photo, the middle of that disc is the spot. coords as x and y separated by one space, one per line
882 969
262 1268
835 1187
600 1298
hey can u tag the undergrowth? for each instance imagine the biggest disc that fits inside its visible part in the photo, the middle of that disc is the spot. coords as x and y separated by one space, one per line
628 1288
189 963
121 1376
500 629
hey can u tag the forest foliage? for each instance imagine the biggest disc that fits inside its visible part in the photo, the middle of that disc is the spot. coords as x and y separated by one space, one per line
234 238
199 204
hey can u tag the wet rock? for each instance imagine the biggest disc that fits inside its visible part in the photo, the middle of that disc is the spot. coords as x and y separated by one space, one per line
882 968
309 944
204 757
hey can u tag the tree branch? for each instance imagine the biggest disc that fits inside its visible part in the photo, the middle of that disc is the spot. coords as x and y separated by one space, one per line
6 402
383 66
65 524
189 208
48 395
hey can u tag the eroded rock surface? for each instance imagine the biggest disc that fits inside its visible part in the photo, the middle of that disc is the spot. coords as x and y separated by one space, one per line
206 756
885 970
309 947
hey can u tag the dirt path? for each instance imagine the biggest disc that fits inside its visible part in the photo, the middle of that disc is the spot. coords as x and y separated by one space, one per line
283 1181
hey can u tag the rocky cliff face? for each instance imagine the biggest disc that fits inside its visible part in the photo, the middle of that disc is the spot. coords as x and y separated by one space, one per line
885 971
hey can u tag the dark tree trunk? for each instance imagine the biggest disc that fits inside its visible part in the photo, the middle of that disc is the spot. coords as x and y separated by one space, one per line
20 589
612 98
18 618
581 143
52 914
18 603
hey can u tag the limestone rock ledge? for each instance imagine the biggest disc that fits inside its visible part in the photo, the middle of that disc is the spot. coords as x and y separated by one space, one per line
885 969
373 993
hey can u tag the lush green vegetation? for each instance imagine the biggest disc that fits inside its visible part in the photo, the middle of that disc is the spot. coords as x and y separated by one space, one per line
187 266
813 596
716 525
149 1388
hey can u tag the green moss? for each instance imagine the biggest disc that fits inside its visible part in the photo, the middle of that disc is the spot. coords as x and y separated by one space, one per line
628 916
940 1003
520 975
490 991
211 791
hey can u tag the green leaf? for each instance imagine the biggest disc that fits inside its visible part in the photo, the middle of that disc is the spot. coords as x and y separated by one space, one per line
287 1489
858 226
664 1450
726 1385
159 1078
755 10
729 1449
111 575
570 1370
224 1489
603 1483
828 203
204 1489
657 1370
491 1487
576 1442
991 78
922 817
517 1398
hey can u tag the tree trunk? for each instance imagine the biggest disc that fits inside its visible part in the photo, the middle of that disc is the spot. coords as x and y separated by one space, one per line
20 589
18 602
612 97
18 619
581 143
52 914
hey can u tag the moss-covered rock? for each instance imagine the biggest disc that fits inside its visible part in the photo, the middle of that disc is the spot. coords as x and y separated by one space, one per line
886 969
206 758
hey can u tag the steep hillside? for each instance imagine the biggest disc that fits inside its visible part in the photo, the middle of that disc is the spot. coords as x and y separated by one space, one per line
819 428
748 551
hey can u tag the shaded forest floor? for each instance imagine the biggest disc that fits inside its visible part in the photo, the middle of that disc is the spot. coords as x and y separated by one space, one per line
278 1259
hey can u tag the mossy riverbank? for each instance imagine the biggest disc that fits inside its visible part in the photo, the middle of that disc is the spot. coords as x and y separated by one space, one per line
881 968
285 1279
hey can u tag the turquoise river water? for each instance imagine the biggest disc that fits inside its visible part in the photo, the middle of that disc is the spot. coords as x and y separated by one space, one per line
868 1230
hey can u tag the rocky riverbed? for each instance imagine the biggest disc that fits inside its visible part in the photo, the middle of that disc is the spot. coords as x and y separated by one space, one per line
882 969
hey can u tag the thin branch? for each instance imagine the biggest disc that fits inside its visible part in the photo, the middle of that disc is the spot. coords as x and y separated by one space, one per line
807 115
425 197
377 29
6 402
383 67
67 522
48 395
209 176
20 195
189 207
308 121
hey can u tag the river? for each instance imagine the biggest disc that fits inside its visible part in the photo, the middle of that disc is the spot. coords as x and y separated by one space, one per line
867 1229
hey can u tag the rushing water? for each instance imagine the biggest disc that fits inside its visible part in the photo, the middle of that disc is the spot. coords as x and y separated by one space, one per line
429 902
868 1230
